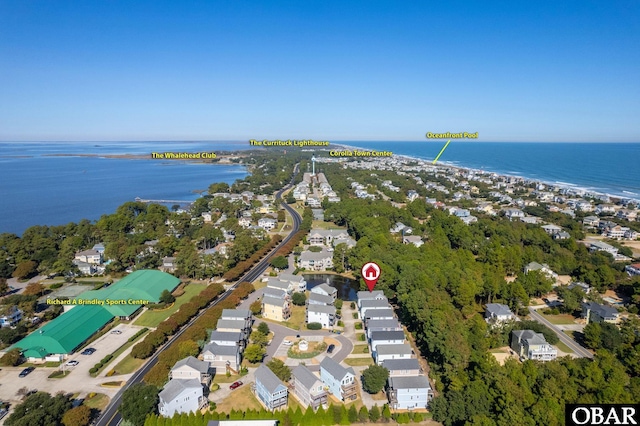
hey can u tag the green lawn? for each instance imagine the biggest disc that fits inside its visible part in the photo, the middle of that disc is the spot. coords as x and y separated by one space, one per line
128 365
152 318
360 349
564 348
298 318
99 401
358 362
560 319
240 399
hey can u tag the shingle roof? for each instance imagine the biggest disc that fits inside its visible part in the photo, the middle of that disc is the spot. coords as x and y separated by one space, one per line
304 376
379 313
268 300
216 349
401 364
269 380
274 292
415 382
395 349
335 369
325 309
385 323
368 295
176 386
317 297
387 335
195 363
231 324
498 309
326 288
375 303
236 313
226 336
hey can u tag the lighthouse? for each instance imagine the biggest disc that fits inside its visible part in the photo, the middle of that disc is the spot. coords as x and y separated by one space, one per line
313 165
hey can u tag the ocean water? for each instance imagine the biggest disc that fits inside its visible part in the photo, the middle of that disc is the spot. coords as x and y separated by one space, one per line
39 189
609 168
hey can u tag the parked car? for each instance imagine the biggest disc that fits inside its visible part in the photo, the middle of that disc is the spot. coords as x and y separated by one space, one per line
331 348
116 332
287 342
3 412
235 385
72 363
26 371
88 351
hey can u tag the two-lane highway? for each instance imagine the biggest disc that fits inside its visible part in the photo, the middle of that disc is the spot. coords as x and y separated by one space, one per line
575 347
110 416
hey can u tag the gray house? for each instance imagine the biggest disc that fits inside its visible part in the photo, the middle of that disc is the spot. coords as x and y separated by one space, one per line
340 381
385 352
595 312
181 396
402 367
382 325
269 389
222 357
191 368
531 345
386 338
308 388
407 393
497 313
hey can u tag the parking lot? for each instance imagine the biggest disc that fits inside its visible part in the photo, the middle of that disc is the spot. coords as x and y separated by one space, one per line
77 380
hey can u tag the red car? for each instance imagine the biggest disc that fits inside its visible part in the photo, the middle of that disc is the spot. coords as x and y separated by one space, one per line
235 385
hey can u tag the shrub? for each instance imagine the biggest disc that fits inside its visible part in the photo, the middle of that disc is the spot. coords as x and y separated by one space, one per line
55 285
355 315
358 326
314 326
340 323
110 373
93 370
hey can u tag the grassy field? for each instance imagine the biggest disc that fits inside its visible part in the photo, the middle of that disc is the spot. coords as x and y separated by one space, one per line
360 349
152 318
320 224
564 348
240 399
358 362
560 319
98 402
298 318
128 365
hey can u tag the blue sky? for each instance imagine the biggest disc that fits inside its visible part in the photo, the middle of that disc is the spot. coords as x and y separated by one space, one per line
326 70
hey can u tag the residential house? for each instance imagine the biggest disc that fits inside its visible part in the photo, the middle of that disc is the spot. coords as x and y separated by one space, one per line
591 221
633 269
319 299
468 220
514 214
413 239
326 289
269 389
382 325
191 368
595 312
245 222
401 227
402 367
551 229
308 388
562 235
227 338
412 195
367 305
313 261
275 309
326 237
267 223
89 256
277 284
340 381
386 338
408 393
222 357
602 246
237 325
395 351
181 396
605 209
206 217
378 314
168 264
298 281
99 247
543 268
497 313
531 345
323 314
627 214
238 314
582 286
10 317
276 293
369 295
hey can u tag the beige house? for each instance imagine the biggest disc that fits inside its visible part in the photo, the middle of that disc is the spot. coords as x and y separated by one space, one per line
191 368
275 309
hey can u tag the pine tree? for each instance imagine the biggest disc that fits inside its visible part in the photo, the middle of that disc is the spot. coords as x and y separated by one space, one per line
374 413
363 414
344 414
386 413
336 411
352 415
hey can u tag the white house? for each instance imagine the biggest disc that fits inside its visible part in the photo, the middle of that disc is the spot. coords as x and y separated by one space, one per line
413 239
402 367
378 314
222 357
326 237
369 295
298 281
397 351
367 305
89 256
497 313
10 317
181 396
320 299
323 314
316 261
382 325
267 223
543 268
407 393
191 368
326 290
602 246
226 338
386 338
340 381
531 345
308 388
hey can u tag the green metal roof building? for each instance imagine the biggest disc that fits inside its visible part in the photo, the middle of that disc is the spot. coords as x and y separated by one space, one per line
68 331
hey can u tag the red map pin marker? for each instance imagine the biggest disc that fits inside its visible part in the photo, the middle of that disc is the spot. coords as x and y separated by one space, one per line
370 274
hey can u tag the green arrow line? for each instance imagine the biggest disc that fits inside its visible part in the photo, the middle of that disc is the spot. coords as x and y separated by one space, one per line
441 151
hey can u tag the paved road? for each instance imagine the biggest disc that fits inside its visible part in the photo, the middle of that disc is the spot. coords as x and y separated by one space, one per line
579 350
110 415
